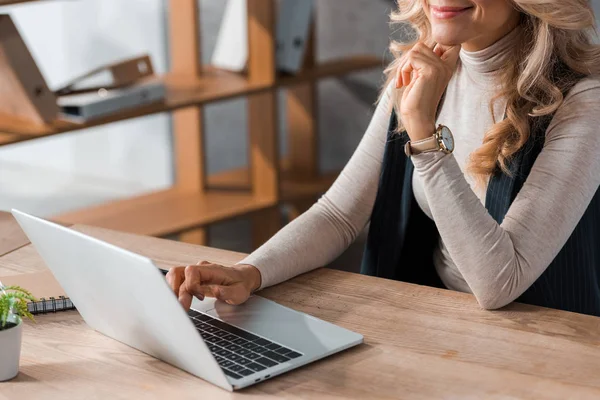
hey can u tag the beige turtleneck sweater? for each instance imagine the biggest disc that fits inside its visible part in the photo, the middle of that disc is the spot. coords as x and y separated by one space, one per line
496 263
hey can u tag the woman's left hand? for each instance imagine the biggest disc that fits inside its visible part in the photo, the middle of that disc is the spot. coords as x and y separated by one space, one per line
424 73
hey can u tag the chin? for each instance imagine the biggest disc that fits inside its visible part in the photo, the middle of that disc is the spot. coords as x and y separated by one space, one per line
448 36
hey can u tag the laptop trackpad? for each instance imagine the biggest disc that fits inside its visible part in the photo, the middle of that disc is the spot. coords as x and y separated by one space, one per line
280 324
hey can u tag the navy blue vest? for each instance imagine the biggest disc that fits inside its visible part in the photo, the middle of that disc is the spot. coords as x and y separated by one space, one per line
400 233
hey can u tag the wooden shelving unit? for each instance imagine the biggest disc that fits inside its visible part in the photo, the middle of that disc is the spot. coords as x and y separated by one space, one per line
169 212
184 91
197 200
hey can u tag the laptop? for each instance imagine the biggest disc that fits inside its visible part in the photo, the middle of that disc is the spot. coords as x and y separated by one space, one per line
126 297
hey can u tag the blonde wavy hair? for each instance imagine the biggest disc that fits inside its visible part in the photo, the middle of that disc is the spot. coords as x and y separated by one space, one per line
555 51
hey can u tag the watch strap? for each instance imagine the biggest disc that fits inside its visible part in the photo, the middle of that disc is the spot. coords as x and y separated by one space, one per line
425 145
422 146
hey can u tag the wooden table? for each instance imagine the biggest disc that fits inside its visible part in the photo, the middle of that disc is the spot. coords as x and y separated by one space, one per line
419 343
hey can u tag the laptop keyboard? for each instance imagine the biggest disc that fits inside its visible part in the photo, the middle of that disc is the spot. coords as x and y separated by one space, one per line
238 352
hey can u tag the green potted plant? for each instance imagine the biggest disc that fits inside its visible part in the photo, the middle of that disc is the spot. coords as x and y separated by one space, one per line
13 308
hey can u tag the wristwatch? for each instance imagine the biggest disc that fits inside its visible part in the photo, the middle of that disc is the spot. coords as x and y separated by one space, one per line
442 140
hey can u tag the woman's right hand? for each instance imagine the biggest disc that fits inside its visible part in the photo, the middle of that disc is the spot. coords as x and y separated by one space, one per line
233 285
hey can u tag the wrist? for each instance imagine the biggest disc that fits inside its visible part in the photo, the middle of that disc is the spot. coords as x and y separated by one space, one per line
419 128
251 276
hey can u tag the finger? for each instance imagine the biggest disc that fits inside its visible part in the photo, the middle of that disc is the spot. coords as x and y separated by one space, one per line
199 278
419 64
438 49
420 46
185 297
450 56
234 295
170 276
192 284
418 58
206 274
202 291
175 278
399 76
442 48
428 53
406 72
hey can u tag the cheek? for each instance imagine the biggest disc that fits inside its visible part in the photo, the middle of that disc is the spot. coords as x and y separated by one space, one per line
425 6
490 4
492 13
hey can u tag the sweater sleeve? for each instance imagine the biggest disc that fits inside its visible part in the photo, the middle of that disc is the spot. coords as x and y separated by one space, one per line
330 226
500 262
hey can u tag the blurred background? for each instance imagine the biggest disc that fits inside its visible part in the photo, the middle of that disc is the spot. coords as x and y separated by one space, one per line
53 175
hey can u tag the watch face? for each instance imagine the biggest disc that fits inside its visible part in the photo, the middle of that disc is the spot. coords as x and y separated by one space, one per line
447 138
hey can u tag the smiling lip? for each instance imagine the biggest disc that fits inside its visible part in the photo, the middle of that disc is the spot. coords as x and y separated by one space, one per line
448 12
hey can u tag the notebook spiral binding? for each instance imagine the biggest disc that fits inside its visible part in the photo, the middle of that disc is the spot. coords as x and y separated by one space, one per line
50 305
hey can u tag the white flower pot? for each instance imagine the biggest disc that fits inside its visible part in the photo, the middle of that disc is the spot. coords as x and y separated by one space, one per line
10 352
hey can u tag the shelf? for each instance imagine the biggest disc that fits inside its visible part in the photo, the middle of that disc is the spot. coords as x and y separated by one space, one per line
291 188
214 85
171 211
9 2
329 69
167 212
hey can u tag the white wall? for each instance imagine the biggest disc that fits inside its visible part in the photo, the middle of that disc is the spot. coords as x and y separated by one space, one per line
67 38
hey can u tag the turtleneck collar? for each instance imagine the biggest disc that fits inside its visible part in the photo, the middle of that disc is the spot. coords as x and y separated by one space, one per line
493 57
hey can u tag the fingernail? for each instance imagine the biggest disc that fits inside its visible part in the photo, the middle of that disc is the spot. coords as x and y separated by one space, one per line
201 297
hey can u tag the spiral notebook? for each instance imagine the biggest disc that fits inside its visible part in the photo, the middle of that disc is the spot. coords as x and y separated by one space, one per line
44 287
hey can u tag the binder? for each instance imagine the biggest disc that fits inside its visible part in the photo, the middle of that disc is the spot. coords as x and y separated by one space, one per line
24 93
110 76
294 21
88 105
51 297
111 88
231 51
25 96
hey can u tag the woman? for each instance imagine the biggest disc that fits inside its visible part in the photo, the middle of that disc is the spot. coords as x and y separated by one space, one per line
511 213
